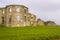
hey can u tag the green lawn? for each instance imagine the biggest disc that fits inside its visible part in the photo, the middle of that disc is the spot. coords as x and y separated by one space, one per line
29 33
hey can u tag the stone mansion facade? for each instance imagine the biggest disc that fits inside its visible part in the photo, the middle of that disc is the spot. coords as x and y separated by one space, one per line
18 16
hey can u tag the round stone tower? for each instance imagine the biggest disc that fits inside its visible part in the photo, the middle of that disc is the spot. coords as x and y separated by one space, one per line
15 15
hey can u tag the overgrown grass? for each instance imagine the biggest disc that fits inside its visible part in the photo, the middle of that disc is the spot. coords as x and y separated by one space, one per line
29 33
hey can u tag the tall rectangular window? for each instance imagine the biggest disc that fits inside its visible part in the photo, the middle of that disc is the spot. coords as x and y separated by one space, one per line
10 9
18 18
10 20
24 18
2 20
24 10
3 11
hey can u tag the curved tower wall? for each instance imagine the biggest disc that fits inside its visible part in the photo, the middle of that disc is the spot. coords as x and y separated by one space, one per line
2 16
15 15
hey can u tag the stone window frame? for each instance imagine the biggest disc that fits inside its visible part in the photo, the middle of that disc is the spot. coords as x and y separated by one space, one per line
18 10
25 10
2 19
32 17
28 18
3 11
25 18
10 9
10 19
18 18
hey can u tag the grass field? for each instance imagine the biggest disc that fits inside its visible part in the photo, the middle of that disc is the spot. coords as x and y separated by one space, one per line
30 33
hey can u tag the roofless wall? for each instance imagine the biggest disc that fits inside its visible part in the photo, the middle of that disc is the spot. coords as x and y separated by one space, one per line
18 16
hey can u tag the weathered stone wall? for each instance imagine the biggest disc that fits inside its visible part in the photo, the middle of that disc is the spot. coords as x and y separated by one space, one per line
2 15
40 22
50 23
17 15
31 19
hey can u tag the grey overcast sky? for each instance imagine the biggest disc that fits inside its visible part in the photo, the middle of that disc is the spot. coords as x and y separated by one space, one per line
44 9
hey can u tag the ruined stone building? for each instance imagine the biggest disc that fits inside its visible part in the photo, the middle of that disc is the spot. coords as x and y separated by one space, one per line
50 23
18 16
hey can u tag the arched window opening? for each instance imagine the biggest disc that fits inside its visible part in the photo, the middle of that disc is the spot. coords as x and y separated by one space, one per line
18 18
18 9
2 20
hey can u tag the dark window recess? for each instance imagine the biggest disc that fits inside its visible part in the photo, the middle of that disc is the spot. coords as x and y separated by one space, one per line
3 11
24 18
31 24
28 18
24 10
31 17
2 20
10 20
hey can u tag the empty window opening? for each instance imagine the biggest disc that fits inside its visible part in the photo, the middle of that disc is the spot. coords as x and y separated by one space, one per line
10 20
24 18
31 17
18 10
24 10
3 11
18 18
10 9
28 18
2 20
